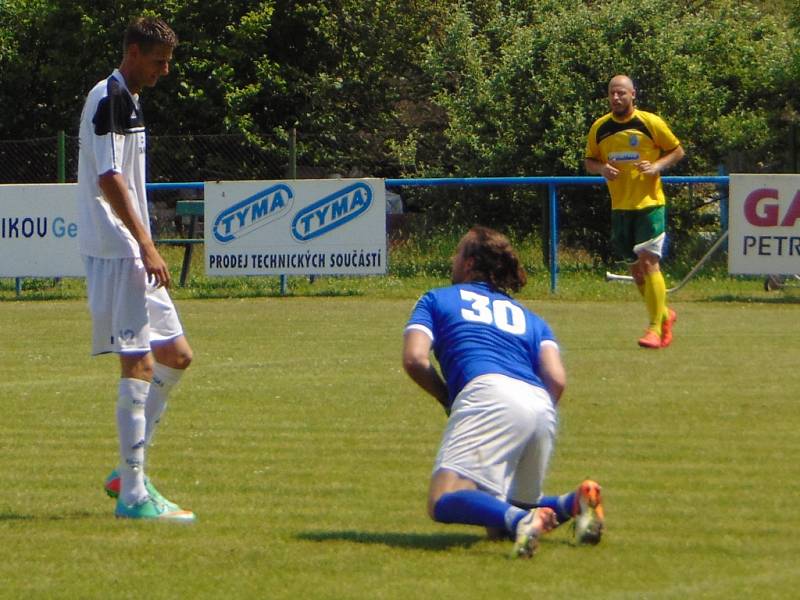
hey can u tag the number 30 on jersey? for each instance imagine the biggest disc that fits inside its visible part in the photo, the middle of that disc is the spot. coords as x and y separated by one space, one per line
503 314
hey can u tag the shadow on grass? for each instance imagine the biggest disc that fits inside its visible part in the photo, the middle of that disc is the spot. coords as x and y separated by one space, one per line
203 294
420 541
12 516
785 298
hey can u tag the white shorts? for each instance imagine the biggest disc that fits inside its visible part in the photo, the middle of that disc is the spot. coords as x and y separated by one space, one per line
653 246
500 435
128 314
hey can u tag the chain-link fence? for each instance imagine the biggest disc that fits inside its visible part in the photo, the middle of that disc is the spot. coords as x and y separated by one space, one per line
583 212
30 161
170 158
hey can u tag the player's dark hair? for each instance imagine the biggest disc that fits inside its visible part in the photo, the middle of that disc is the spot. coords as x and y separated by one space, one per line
147 32
494 259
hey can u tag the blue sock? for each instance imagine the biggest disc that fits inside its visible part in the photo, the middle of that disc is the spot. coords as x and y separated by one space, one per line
474 507
561 505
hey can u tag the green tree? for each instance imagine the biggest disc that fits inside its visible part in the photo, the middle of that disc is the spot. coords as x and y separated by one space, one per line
521 82
344 72
432 87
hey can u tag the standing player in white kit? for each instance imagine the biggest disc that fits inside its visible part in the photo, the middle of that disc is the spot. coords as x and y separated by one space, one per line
132 313
503 378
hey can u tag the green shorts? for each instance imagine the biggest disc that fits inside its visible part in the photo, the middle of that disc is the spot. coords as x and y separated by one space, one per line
632 227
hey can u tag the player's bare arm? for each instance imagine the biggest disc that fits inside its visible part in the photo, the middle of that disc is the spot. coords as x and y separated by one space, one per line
553 374
598 167
663 163
115 192
417 363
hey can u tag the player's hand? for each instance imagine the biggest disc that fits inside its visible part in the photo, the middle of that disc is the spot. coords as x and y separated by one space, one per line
647 168
156 267
609 171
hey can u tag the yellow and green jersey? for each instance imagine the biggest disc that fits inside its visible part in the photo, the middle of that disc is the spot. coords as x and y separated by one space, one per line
643 136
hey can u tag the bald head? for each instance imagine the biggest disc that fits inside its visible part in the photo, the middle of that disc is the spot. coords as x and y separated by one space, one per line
621 81
621 95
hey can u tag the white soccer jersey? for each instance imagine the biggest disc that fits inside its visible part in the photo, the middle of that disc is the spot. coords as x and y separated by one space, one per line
112 138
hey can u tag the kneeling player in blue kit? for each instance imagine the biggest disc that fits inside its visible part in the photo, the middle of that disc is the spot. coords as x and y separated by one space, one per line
503 377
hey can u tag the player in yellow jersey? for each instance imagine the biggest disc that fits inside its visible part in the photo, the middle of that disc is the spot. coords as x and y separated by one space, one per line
630 148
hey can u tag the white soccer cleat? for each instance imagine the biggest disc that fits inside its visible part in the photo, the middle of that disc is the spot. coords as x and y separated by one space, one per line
535 523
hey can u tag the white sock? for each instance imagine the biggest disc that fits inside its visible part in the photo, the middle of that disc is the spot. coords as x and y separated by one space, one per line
131 427
512 517
164 379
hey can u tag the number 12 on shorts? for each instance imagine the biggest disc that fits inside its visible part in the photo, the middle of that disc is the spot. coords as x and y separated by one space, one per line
503 314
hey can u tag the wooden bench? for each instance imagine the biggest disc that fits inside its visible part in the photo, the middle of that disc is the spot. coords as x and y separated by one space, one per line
191 209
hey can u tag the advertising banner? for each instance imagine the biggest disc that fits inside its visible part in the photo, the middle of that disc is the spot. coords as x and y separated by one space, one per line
764 230
39 231
295 227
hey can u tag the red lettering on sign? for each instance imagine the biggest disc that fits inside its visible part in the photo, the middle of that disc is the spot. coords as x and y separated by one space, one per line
768 215
793 213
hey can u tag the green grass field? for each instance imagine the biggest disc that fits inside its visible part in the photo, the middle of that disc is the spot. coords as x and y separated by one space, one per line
305 451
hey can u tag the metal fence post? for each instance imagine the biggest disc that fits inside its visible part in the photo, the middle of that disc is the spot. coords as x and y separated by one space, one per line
62 157
723 200
552 188
293 153
292 175
724 196
62 167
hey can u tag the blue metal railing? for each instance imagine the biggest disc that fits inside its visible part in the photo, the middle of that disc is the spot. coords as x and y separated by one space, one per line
552 183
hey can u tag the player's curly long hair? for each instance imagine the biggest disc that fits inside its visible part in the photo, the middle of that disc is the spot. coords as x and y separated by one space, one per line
494 259
147 32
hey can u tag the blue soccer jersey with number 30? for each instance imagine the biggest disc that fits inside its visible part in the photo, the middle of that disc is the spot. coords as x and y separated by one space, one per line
477 330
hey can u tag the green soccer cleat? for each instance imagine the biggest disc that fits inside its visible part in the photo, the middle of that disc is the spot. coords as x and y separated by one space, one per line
152 510
112 487
535 523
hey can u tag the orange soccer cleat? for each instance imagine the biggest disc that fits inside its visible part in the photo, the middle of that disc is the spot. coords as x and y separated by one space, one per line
650 339
666 328
589 514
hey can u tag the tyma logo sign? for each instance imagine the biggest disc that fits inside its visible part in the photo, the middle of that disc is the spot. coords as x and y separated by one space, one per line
332 211
251 213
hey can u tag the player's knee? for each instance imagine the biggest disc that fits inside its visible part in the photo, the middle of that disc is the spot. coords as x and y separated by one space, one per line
136 366
432 500
432 511
648 263
144 371
183 359
176 355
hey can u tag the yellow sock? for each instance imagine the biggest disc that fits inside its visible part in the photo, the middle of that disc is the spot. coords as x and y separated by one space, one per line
655 296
